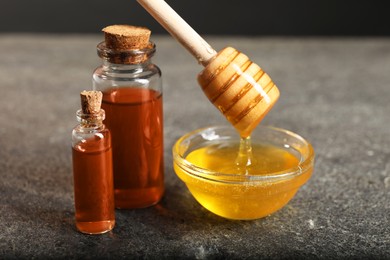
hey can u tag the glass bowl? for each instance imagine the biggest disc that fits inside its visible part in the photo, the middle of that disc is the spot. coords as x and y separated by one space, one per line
243 196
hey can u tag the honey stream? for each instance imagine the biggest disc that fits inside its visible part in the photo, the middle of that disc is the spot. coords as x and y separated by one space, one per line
244 158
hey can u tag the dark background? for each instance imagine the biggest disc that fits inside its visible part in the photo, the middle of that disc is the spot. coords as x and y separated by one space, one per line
218 17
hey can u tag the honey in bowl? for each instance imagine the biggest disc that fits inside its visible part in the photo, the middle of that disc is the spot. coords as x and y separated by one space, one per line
206 161
263 159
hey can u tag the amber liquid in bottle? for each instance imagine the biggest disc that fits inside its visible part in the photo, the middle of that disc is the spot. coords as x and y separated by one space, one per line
93 184
134 117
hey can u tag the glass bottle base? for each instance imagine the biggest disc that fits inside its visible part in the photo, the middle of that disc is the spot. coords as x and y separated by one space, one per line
137 198
95 227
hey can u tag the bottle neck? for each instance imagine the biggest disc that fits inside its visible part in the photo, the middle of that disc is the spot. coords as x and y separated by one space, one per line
109 66
91 121
138 57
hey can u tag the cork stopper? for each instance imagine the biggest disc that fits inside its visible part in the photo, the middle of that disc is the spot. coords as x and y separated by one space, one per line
91 101
126 37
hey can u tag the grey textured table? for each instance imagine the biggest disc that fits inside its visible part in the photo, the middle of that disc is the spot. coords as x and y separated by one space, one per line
334 92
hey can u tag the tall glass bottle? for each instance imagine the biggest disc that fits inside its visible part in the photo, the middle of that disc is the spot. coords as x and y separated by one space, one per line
92 172
132 98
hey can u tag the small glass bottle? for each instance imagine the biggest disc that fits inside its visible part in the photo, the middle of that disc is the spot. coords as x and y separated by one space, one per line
132 98
92 168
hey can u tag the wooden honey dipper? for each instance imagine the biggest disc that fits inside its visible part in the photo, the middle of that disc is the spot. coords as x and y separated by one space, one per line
239 88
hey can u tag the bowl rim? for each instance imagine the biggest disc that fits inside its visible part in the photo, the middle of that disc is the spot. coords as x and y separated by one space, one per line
202 173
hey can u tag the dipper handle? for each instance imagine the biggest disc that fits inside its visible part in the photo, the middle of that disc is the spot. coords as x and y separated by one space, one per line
180 30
